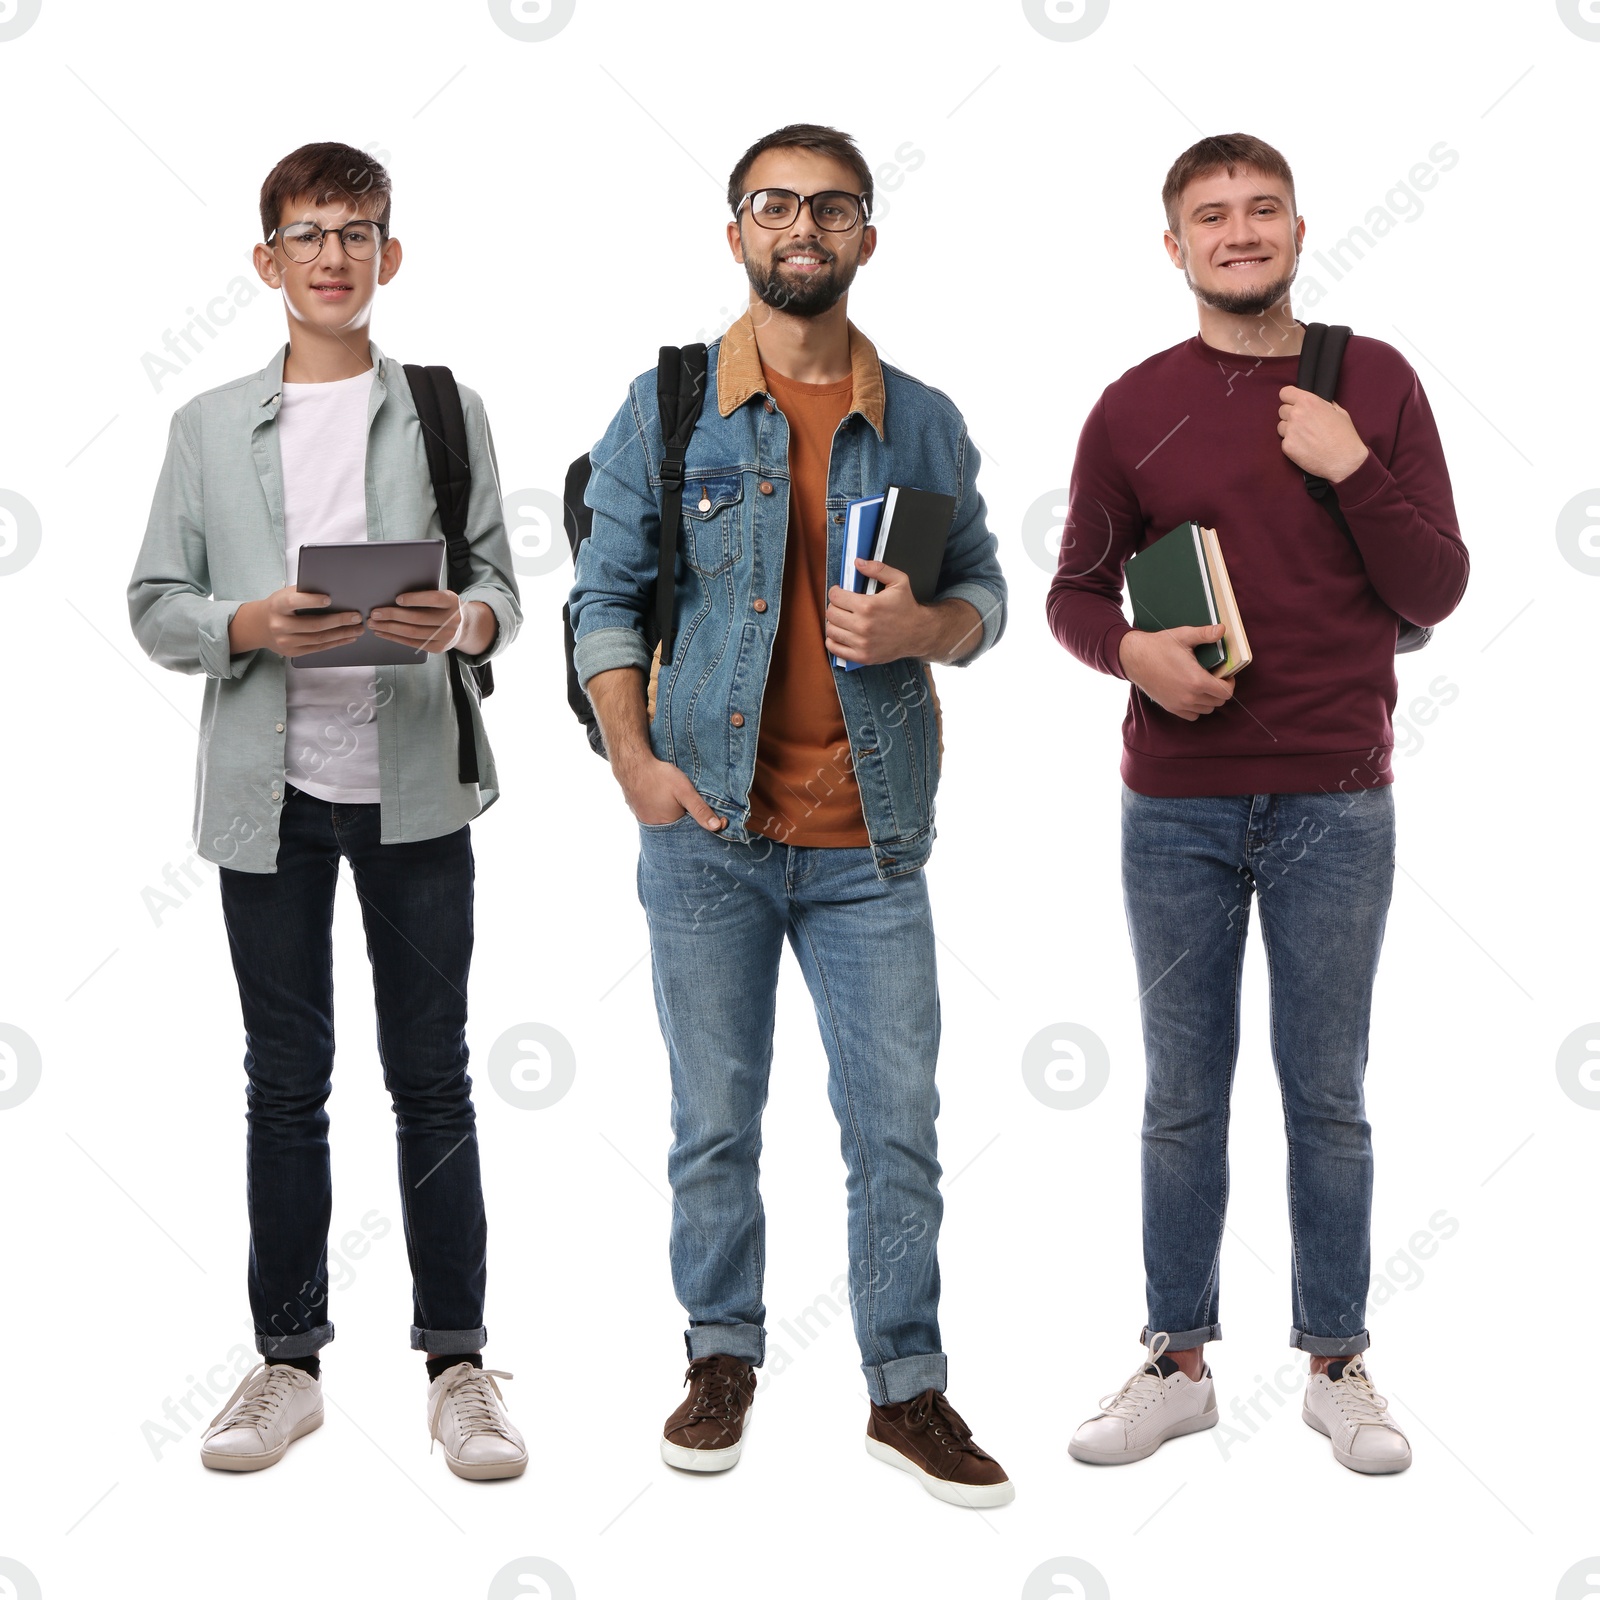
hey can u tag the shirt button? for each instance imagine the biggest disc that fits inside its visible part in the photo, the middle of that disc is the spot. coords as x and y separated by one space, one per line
737 719
277 727
766 488
760 605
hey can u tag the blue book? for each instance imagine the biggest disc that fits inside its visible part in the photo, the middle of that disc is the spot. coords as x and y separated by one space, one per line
861 519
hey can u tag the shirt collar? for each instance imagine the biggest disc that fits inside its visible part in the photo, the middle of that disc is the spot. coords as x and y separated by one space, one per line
739 374
268 393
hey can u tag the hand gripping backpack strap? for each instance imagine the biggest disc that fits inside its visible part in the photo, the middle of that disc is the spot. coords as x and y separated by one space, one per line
680 392
444 438
1321 356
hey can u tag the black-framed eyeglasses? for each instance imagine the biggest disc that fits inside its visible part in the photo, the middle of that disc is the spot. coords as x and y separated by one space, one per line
302 241
833 210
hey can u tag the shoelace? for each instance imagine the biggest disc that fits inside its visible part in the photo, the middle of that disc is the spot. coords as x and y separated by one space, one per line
713 1397
263 1390
944 1424
1142 1389
477 1401
1357 1400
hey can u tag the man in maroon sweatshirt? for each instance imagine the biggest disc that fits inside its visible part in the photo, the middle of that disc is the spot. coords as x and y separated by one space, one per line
1273 786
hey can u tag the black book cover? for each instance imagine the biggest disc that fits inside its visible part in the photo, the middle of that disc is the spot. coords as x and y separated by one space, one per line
916 526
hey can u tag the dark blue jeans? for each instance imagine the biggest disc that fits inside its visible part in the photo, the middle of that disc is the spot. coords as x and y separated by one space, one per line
1321 868
416 903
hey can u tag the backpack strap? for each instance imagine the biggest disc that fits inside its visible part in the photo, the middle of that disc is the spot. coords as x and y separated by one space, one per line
680 393
1321 356
444 437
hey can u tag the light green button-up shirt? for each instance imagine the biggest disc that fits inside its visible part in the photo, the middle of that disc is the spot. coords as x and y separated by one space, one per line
216 539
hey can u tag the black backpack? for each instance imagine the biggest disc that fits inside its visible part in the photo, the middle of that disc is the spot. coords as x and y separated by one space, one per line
444 435
680 392
1320 359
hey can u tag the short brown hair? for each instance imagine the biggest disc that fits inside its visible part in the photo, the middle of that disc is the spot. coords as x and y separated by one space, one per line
326 172
1219 152
803 136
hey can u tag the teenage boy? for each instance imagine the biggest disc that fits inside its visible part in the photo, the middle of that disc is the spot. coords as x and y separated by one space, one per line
1274 784
301 766
780 796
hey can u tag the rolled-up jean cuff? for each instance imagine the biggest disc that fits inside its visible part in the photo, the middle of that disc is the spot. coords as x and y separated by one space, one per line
449 1341
892 1383
1314 1345
293 1344
1183 1341
742 1339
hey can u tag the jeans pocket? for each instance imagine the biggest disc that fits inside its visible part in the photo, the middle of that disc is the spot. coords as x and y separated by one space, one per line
661 827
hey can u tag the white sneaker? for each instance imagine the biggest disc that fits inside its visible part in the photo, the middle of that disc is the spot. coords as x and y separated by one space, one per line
1144 1413
272 1407
1352 1414
467 1415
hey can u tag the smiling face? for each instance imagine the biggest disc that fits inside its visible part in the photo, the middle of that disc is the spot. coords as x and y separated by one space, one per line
333 293
800 269
1238 240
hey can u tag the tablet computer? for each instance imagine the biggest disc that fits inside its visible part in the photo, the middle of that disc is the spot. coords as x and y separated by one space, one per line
359 576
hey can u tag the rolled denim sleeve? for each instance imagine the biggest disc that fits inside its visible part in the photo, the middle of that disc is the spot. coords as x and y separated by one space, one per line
617 563
971 569
175 618
494 579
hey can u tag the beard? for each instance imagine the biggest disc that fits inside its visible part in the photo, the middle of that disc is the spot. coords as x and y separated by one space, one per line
1246 302
809 296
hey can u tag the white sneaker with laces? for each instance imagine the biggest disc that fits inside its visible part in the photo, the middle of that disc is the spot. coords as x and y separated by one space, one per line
1353 1415
1144 1413
467 1415
272 1407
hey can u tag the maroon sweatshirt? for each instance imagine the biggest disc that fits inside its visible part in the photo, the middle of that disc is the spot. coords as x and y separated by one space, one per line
1193 432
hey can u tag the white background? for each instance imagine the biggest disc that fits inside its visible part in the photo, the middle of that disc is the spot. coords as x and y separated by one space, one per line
1021 270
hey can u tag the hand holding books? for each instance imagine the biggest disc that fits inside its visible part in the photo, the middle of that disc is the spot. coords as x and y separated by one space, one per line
905 531
1188 638
1163 665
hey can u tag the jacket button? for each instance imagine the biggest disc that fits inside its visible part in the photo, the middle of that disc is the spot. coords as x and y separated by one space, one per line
737 719
766 488
838 516
277 727
770 406
760 605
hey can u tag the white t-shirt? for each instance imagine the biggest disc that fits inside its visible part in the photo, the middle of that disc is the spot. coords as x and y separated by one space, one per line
330 746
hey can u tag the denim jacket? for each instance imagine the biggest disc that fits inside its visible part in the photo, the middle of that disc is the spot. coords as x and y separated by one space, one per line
706 706
216 539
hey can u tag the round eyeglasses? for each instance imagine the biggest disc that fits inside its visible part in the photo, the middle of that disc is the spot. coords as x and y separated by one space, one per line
302 241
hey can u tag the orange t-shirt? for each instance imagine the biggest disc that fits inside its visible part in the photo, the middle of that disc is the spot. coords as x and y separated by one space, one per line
804 791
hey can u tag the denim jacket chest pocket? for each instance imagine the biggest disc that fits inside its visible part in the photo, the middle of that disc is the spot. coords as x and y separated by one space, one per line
713 521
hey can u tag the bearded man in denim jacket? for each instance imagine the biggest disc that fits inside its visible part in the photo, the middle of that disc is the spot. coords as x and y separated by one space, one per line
781 795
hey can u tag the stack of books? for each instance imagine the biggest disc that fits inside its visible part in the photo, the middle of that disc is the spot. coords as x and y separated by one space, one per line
1181 581
906 529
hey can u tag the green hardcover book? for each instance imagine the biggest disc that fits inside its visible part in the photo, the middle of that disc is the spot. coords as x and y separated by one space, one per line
1170 587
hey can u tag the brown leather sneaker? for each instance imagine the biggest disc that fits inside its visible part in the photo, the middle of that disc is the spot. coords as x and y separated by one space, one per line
706 1433
927 1438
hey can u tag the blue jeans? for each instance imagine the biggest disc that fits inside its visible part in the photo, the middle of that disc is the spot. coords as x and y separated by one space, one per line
719 912
416 903
1321 867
